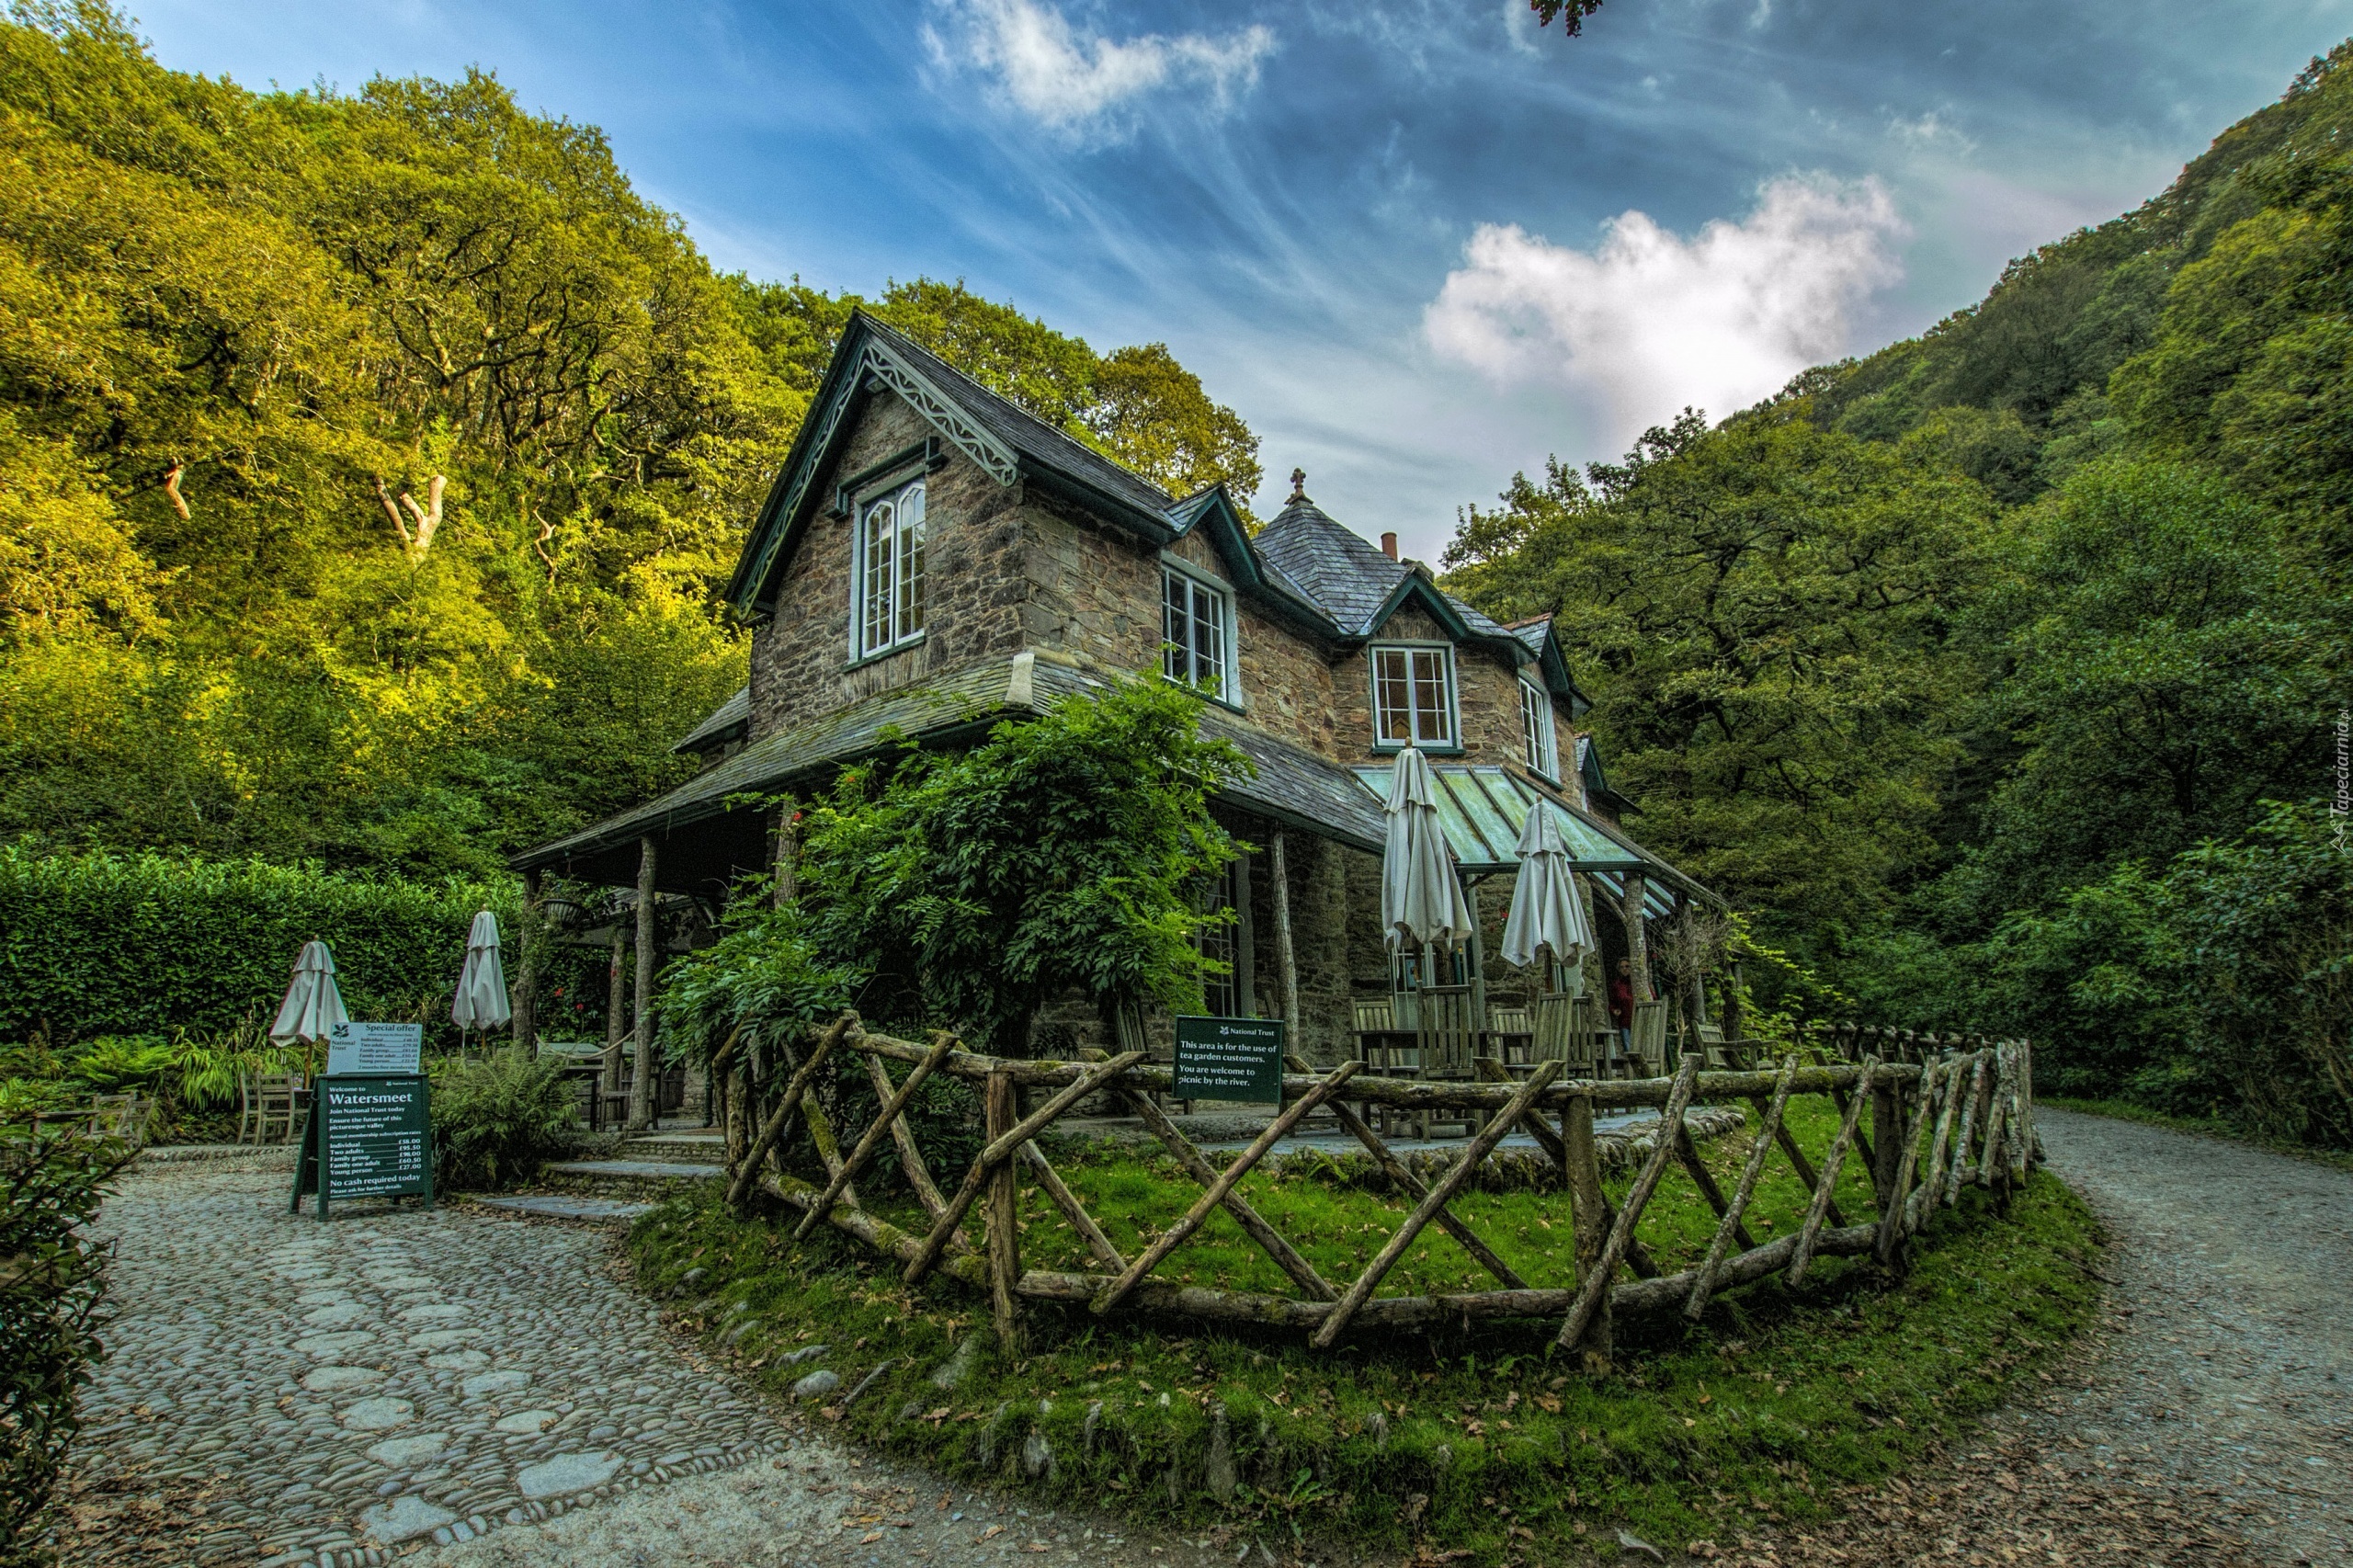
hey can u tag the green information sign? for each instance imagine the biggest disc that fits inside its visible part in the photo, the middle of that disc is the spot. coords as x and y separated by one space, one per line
367 1136
1230 1058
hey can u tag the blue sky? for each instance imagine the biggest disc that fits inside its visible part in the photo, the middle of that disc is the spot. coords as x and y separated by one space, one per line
1418 243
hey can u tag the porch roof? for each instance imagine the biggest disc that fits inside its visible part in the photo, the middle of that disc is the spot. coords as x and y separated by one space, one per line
1482 809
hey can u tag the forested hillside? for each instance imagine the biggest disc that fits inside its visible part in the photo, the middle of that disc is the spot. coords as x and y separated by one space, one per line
1997 673
367 462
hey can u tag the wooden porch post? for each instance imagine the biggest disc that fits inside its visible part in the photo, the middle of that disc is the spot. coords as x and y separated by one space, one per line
1630 910
1286 963
787 853
1245 941
641 1096
526 982
615 1010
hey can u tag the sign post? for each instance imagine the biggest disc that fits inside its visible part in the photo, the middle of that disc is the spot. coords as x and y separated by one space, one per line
1228 1059
369 1129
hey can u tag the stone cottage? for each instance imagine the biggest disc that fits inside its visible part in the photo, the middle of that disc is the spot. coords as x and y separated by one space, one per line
932 559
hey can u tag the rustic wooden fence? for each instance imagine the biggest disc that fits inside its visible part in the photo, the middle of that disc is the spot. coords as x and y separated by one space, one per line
1949 1120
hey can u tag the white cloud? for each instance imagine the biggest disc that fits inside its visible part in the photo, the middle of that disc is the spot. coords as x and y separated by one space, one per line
1647 321
1072 79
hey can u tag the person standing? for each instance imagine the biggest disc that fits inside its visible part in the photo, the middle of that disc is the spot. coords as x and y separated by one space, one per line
1621 1005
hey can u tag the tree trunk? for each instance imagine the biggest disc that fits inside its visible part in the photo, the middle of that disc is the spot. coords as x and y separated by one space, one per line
1630 910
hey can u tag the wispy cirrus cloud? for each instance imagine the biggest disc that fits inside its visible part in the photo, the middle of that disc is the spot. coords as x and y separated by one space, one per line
1073 79
1647 321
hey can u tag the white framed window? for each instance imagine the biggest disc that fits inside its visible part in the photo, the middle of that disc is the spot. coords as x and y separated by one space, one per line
1536 722
888 571
1412 697
1197 631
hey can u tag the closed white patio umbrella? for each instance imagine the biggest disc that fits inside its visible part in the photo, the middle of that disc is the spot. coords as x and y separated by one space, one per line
313 1005
480 1002
1421 897
1546 913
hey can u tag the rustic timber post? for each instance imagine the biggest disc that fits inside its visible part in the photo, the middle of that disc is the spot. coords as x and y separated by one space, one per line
1286 961
1245 940
787 853
1002 1216
1887 1147
616 1013
1630 911
1590 1228
643 1102
526 981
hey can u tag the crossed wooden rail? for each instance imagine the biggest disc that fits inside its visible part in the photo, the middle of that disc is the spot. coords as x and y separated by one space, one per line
1960 1119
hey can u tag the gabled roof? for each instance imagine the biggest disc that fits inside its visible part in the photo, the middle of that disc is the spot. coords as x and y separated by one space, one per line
1006 443
1357 586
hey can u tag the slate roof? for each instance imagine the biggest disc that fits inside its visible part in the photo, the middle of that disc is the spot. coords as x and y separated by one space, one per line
1532 632
1342 573
726 721
1293 785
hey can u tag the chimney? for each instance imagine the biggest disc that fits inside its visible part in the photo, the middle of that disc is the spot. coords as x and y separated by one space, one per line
1388 546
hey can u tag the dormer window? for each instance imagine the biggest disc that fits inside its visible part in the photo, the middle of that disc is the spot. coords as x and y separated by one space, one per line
1536 722
1412 697
889 591
1197 631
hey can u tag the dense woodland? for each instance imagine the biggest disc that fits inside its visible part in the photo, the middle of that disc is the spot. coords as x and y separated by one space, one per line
1998 674
368 463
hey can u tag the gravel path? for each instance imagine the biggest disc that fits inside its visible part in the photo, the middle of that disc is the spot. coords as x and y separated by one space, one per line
2209 1420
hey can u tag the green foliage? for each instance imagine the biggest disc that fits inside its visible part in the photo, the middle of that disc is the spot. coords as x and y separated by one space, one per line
761 984
52 1310
238 328
1060 853
495 1119
102 943
1761 612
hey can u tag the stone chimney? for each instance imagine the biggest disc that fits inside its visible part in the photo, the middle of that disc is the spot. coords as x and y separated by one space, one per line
1388 546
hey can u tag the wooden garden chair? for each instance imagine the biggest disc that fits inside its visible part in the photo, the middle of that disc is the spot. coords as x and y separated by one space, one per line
1648 1047
123 1116
1446 1050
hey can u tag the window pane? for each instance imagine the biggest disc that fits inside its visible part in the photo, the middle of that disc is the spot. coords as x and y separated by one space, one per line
910 553
1393 696
1174 624
875 633
1208 639
1433 719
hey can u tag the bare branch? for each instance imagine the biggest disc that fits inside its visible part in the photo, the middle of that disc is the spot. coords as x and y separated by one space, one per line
172 488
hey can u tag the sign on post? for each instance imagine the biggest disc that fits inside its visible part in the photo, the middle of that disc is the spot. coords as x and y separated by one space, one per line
374 1048
368 1135
1230 1058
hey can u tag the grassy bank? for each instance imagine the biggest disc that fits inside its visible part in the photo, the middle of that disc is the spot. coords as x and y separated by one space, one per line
2203 1127
1484 1440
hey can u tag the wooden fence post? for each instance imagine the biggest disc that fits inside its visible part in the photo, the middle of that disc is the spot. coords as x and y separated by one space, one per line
1887 1150
1589 1227
1004 1216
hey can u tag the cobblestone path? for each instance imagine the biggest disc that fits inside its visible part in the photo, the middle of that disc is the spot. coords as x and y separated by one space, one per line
343 1388
453 1389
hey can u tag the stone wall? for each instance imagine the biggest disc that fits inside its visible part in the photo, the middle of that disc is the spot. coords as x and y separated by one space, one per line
801 667
1486 694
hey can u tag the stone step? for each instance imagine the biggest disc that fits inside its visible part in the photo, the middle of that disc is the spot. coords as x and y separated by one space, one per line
558 1206
628 1178
701 1146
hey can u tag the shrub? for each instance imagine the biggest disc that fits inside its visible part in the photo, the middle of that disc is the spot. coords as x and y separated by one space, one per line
53 1289
494 1120
101 944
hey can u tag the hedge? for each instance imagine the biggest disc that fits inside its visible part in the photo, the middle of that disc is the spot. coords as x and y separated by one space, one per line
97 943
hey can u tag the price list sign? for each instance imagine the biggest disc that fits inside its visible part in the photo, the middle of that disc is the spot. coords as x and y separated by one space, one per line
1230 1058
367 1136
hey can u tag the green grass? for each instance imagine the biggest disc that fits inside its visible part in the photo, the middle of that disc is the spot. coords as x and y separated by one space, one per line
2201 1126
1481 1440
